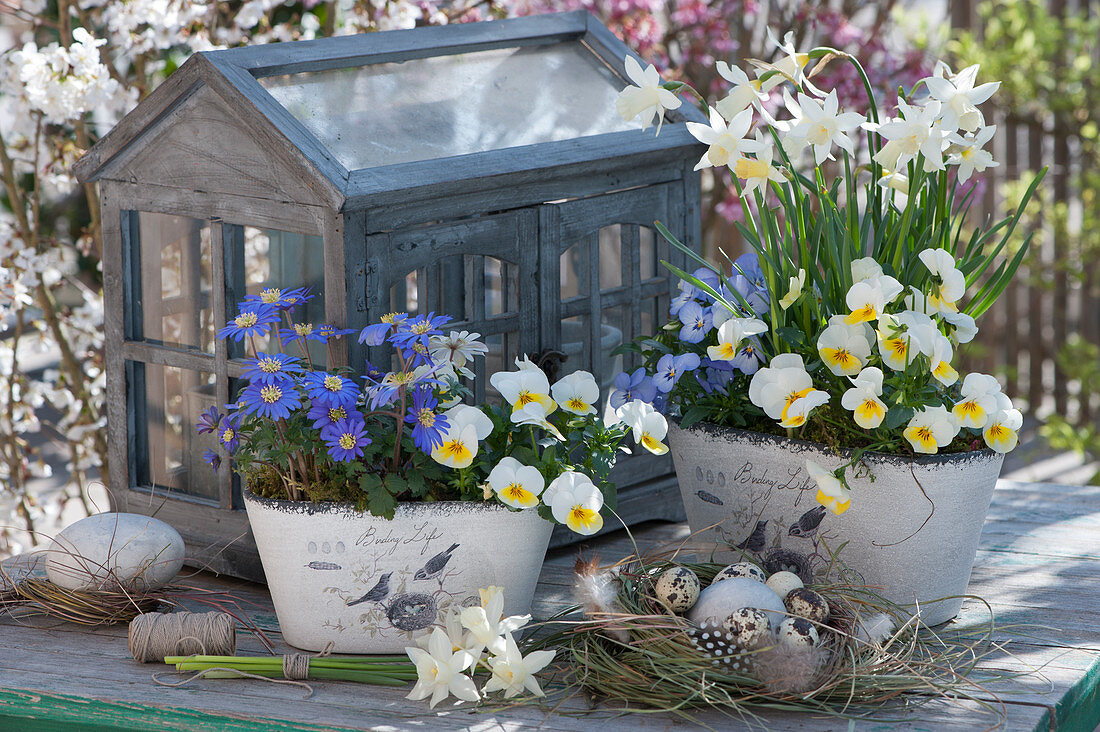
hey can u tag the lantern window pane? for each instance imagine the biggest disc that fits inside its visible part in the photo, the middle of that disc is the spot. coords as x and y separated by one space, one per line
265 260
439 107
166 402
173 265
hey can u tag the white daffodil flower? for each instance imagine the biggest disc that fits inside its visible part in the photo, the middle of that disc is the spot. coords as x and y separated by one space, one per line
948 283
647 425
1000 432
959 97
785 391
863 398
793 144
487 624
865 269
844 348
731 333
979 394
576 392
744 94
823 125
724 140
794 291
831 493
940 361
647 99
452 626
963 326
790 65
513 673
912 134
439 671
930 429
967 153
457 349
897 181
516 485
756 172
526 386
867 299
575 501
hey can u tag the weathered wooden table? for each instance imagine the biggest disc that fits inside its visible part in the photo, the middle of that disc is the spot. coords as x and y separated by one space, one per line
1039 564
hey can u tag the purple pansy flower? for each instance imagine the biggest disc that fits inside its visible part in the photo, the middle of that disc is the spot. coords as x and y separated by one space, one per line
697 322
636 386
670 368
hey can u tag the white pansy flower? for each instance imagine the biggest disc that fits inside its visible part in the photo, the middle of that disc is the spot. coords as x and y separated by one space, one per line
647 425
823 125
959 97
1001 431
785 391
967 153
831 493
466 426
963 325
744 94
514 673
844 348
575 501
731 333
978 400
516 485
865 269
940 361
794 291
930 429
576 392
867 299
647 99
535 414
863 400
439 671
948 284
723 140
526 386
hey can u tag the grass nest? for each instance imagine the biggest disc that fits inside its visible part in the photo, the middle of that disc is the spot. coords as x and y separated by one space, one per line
626 650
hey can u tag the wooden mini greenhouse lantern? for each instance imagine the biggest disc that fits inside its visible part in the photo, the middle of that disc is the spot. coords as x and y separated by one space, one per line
477 170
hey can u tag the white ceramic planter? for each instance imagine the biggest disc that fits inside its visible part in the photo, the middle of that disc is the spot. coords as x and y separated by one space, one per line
371 586
912 531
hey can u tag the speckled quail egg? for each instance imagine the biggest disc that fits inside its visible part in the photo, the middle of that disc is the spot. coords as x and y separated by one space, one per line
748 627
806 603
797 632
678 588
784 582
741 569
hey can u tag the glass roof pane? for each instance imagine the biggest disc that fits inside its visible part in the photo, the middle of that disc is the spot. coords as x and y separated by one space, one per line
438 107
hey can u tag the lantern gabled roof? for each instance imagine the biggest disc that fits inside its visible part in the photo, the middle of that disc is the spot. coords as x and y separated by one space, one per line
389 117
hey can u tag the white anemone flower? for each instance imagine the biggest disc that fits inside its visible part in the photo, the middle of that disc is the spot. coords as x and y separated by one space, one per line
514 673
647 425
959 97
575 501
784 390
867 299
744 94
757 171
457 349
862 399
723 141
979 401
516 485
967 153
948 283
914 133
1001 432
731 333
823 125
647 98
576 392
930 429
844 348
439 671
831 492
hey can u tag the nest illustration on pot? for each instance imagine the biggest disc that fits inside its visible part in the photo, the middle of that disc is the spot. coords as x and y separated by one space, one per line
412 611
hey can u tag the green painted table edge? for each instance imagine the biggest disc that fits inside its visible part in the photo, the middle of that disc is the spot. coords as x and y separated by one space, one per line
46 711
1079 708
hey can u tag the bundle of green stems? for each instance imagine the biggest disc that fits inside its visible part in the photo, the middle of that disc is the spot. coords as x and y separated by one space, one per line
380 670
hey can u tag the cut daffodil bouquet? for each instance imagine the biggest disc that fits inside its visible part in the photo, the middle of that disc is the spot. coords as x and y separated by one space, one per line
841 323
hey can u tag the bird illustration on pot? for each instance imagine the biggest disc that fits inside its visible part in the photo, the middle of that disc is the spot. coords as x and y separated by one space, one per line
755 541
434 567
808 526
378 593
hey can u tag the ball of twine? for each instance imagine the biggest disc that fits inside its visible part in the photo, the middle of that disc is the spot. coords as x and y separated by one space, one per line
156 635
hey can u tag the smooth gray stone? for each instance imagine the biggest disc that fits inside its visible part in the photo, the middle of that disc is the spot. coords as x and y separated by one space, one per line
115 549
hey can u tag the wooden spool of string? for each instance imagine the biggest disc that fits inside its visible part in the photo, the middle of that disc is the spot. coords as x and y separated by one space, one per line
156 635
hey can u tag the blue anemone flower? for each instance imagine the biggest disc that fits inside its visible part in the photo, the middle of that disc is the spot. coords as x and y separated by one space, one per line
429 427
208 421
281 298
229 432
271 368
670 368
324 415
252 320
412 336
636 386
213 459
273 401
346 439
375 334
331 390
